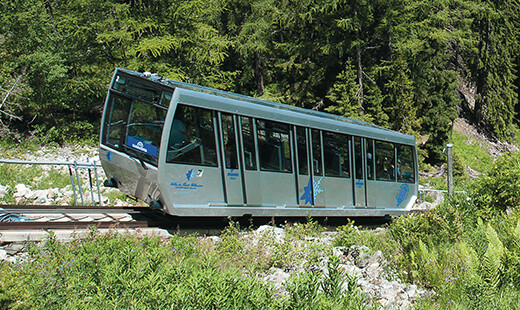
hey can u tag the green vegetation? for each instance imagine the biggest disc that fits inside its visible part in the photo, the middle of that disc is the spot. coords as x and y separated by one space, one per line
122 271
469 151
405 65
466 250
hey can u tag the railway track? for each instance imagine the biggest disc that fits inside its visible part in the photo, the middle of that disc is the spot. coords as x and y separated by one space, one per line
66 219
34 222
18 217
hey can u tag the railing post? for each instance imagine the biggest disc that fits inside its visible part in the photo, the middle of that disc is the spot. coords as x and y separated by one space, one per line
449 147
79 183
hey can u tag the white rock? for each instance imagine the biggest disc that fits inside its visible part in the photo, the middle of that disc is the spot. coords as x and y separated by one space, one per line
3 191
21 190
277 277
3 254
277 232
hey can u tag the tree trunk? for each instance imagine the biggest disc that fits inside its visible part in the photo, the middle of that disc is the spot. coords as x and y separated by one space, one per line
359 71
258 74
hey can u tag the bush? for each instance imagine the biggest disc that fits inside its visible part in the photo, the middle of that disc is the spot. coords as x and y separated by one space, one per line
498 191
124 272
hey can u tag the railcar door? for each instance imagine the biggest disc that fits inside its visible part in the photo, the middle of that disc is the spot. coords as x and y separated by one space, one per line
360 193
275 153
305 184
232 174
191 176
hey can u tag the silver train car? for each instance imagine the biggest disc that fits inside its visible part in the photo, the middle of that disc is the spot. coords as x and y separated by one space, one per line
196 151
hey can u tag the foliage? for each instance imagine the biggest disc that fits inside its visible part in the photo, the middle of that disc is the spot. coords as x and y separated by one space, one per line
99 271
310 290
398 64
466 249
117 271
470 152
498 190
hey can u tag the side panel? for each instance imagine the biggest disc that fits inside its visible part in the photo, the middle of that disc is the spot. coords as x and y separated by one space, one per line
189 137
391 195
253 188
130 174
278 189
338 192
188 184
234 186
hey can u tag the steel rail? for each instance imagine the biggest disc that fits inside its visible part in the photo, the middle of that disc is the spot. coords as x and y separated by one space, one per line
72 225
73 209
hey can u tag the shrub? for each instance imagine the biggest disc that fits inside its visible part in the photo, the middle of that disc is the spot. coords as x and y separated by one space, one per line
498 191
124 272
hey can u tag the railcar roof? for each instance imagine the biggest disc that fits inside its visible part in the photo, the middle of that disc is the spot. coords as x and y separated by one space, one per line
173 83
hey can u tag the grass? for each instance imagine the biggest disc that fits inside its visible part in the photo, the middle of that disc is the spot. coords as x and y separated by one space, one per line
113 270
465 250
471 152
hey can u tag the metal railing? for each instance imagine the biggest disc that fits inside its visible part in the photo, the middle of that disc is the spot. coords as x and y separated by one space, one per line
423 191
75 179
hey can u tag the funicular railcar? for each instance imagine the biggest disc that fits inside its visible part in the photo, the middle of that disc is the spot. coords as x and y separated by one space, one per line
196 151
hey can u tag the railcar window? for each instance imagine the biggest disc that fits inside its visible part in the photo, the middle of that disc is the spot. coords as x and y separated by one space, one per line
405 164
192 137
335 149
358 158
385 161
133 87
116 121
230 145
166 98
249 143
144 130
316 153
274 146
370 159
301 142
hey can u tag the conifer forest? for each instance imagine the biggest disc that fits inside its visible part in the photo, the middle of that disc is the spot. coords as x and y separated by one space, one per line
410 65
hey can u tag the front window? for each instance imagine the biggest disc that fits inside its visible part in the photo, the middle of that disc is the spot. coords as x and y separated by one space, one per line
115 124
134 127
145 130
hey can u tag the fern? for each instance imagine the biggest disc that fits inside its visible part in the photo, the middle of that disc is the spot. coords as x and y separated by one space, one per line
492 266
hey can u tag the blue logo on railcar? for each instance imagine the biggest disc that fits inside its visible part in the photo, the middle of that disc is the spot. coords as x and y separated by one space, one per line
312 187
233 175
402 194
141 146
189 176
